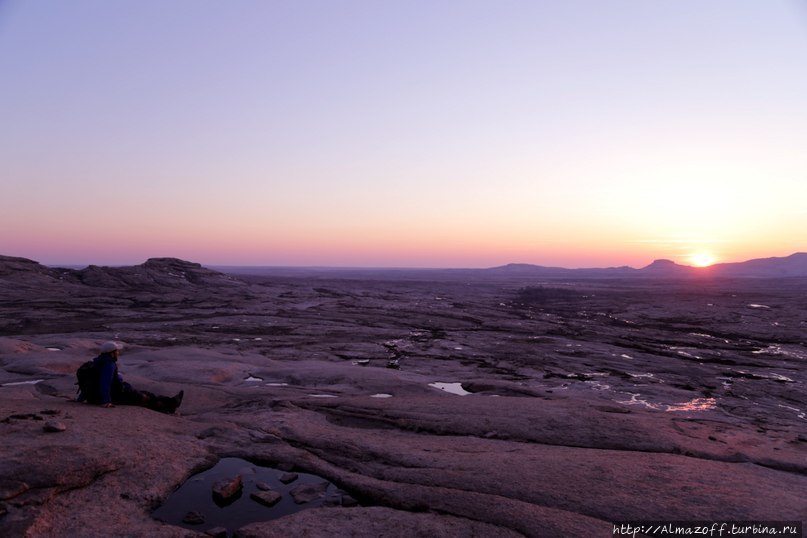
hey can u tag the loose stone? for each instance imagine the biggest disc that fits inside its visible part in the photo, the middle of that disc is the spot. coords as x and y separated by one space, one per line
288 478
308 492
193 518
227 488
266 498
54 426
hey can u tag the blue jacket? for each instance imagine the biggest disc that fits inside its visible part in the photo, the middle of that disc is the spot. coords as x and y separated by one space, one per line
108 376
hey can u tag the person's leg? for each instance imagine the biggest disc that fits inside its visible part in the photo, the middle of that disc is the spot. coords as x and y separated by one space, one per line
128 395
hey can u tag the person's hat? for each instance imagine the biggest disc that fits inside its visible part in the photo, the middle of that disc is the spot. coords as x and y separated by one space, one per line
109 347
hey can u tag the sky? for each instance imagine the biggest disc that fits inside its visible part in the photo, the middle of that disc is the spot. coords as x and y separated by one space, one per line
381 133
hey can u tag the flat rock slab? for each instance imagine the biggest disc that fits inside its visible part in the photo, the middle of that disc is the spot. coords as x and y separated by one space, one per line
376 521
266 498
308 492
593 402
288 478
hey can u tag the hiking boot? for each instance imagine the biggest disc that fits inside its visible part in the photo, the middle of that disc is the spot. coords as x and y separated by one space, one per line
171 404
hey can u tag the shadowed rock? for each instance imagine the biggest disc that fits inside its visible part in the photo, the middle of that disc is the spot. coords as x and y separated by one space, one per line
266 498
227 490
308 492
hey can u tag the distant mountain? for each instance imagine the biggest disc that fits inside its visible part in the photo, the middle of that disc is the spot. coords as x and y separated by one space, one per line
171 273
794 265
528 270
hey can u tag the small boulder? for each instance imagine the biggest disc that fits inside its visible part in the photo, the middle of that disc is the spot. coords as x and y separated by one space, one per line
308 492
266 498
217 532
227 489
288 478
193 518
53 426
263 486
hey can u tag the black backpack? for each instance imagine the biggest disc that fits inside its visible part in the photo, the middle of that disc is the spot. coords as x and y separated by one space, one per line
88 375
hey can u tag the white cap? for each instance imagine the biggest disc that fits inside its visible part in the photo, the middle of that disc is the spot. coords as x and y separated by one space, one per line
108 347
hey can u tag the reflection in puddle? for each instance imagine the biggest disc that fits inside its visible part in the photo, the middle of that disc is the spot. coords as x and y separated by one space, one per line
685 352
696 404
773 376
753 305
195 495
381 395
453 388
598 385
322 395
252 378
15 383
774 349
799 413
704 335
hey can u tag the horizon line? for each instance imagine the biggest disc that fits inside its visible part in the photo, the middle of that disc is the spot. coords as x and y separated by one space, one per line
390 268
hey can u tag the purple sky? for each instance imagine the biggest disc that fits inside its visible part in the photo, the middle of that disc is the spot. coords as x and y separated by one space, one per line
379 133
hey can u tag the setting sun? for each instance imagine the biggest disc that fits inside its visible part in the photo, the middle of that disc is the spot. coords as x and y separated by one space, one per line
702 259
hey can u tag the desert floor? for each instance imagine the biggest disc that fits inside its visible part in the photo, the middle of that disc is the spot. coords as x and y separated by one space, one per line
433 405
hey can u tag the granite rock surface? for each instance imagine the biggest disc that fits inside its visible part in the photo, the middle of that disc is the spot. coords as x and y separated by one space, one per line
583 402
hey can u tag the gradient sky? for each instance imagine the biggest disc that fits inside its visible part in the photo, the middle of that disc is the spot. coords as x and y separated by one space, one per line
578 133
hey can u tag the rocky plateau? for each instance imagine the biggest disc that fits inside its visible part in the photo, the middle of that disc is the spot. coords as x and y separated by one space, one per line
440 403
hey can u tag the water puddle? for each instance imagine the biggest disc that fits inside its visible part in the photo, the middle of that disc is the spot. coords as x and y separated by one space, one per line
15 383
381 395
799 413
688 352
773 349
695 404
753 305
252 378
193 505
598 385
751 375
453 388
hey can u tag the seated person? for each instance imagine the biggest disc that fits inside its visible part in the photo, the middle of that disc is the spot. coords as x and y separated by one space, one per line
103 385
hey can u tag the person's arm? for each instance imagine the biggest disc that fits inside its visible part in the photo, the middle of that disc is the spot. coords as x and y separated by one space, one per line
105 381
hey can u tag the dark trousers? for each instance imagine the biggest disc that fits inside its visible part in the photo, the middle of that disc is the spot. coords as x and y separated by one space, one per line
125 394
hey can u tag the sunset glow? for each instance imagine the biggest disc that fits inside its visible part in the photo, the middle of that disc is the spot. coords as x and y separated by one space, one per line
702 259
406 134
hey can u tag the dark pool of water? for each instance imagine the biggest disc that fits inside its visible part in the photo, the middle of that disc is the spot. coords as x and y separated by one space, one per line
195 495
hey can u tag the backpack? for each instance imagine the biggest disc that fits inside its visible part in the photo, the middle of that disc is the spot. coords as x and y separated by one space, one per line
88 375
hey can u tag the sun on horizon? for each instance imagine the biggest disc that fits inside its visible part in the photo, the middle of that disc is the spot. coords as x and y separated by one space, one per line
702 259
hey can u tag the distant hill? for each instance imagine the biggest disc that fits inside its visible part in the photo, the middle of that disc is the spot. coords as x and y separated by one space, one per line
171 273
794 265
156 274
